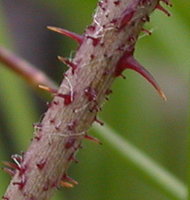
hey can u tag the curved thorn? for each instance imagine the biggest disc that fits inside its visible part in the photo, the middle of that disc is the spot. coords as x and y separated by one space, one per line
134 65
67 33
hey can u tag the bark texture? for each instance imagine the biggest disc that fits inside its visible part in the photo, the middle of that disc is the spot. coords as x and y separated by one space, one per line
114 30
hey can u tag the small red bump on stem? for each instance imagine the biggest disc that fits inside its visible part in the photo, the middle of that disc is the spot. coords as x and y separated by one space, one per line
126 17
68 63
131 39
95 41
41 164
90 93
5 198
98 121
68 99
117 2
159 7
76 37
92 56
70 143
46 186
146 31
91 28
66 184
93 139
51 90
72 125
52 121
55 103
21 183
38 137
101 4
108 91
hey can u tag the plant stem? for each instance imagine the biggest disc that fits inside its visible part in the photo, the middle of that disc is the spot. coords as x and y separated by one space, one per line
112 35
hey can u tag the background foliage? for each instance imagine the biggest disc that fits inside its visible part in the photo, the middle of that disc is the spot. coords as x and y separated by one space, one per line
134 111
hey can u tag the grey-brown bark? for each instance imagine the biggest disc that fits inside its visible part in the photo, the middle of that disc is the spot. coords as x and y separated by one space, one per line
75 105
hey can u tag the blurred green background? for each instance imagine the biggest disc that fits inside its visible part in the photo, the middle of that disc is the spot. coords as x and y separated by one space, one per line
135 111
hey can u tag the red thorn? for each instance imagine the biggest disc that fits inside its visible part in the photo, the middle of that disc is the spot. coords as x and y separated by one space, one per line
68 62
88 137
69 179
159 7
146 31
9 171
127 61
167 2
98 121
67 33
11 165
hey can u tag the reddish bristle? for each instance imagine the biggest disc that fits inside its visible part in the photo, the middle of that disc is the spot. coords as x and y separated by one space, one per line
69 179
70 34
41 164
9 171
159 7
146 31
167 2
88 137
98 121
68 62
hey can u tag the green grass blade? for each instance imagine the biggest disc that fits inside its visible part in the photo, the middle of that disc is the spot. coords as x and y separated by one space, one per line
151 171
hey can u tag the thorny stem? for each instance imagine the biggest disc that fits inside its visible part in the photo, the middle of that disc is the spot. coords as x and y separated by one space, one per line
58 136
